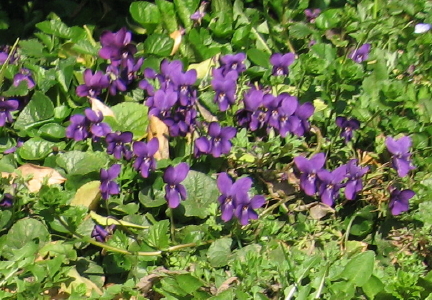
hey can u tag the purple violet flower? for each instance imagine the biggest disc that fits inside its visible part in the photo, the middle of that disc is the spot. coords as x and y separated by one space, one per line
97 127
7 201
14 148
235 200
309 169
93 84
361 54
100 233
174 191
354 173
331 182
163 102
116 144
399 200
6 107
145 161
225 86
78 128
108 186
200 13
303 113
233 62
245 208
117 46
219 140
231 192
312 14
281 62
401 156
347 126
24 75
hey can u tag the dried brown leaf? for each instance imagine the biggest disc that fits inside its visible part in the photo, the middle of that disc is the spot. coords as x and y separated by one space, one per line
159 129
38 175
177 37
226 284
99 106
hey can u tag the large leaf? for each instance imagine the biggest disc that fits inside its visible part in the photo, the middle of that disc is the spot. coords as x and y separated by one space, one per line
81 163
158 236
131 117
39 109
25 231
201 192
88 195
35 149
359 269
158 44
219 252
146 14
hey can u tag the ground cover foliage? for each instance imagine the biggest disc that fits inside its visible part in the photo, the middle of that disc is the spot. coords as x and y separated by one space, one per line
215 150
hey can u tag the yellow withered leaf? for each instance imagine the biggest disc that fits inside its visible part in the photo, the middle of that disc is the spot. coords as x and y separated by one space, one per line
159 129
88 195
105 221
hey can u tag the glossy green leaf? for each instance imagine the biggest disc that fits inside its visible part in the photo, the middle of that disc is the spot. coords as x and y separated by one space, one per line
219 252
35 149
131 117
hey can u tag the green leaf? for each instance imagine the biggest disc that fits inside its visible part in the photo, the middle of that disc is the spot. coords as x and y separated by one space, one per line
184 9
151 198
84 46
26 231
300 30
373 286
158 44
201 192
219 252
6 143
64 73
52 130
188 283
60 29
259 57
39 109
328 19
158 235
222 23
20 90
146 14
32 48
131 117
81 163
35 149
359 269
167 12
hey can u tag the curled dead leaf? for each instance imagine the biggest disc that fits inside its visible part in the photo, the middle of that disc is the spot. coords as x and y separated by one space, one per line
226 284
317 210
177 37
99 106
159 130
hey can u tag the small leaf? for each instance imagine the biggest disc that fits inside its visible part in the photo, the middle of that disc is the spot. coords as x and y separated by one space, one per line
259 57
158 235
188 283
88 195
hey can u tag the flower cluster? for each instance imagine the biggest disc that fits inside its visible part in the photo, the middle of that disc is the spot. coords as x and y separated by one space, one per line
88 125
219 142
282 113
118 144
174 101
235 199
224 81
314 179
121 70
